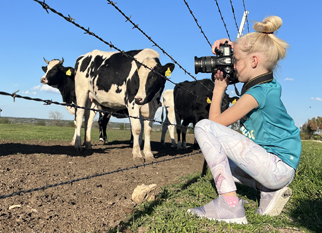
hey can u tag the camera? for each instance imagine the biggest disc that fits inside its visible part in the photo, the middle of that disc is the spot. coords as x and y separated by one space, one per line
224 61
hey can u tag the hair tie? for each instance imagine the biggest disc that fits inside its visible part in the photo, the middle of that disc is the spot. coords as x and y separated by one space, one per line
268 32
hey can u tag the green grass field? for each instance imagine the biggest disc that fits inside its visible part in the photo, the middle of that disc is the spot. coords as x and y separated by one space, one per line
303 213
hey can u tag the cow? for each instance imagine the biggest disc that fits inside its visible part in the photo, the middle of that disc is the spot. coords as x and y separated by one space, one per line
62 78
169 122
132 80
191 108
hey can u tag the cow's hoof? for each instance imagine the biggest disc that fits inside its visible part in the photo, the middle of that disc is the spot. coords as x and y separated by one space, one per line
88 145
149 158
79 149
138 160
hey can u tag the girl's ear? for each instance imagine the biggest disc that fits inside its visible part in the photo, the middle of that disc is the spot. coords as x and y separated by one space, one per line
254 61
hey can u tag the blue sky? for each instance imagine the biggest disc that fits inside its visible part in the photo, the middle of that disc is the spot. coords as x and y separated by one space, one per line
28 34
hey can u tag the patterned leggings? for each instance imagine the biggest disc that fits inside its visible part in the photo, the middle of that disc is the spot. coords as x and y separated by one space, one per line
232 157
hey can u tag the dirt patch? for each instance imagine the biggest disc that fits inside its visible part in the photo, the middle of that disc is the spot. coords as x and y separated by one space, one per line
37 194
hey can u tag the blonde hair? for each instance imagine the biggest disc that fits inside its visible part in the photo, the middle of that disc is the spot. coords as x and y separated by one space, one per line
264 41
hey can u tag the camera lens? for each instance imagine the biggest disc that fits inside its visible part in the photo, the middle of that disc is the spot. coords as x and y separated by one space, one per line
205 64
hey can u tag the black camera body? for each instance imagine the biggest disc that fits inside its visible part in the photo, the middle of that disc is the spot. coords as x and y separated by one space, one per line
224 61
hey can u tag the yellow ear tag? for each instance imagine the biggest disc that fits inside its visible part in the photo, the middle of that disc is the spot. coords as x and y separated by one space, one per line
234 101
168 72
208 100
69 72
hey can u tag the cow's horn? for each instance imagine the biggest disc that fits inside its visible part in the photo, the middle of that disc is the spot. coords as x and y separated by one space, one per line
62 60
46 61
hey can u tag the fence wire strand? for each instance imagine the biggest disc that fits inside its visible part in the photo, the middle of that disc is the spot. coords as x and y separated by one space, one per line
222 18
197 23
233 10
246 17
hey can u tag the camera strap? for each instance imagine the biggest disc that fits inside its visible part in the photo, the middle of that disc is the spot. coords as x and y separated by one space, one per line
264 78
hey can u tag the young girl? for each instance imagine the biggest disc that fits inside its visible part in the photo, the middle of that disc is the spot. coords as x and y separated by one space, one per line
266 156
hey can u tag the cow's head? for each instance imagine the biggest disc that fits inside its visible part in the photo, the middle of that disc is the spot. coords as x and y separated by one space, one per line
152 80
55 72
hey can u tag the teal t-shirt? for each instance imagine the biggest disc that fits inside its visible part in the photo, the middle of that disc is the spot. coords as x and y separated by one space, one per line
270 126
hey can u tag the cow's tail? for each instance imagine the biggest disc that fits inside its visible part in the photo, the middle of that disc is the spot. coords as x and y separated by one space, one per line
162 105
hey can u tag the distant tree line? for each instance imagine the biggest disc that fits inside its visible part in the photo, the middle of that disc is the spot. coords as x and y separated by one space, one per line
312 129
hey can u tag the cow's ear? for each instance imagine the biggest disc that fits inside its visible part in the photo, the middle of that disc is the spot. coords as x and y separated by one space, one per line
44 68
167 69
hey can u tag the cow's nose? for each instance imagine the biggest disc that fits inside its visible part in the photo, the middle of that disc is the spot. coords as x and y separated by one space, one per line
138 100
43 80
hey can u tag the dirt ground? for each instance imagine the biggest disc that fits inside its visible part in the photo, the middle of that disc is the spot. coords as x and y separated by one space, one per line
49 187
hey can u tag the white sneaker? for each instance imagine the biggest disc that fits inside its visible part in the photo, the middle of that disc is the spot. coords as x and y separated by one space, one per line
272 203
220 210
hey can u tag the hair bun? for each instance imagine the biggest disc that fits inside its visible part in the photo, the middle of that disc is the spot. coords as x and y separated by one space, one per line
269 25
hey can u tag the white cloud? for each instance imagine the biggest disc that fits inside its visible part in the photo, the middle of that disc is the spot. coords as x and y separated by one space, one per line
289 79
317 98
29 93
48 88
35 88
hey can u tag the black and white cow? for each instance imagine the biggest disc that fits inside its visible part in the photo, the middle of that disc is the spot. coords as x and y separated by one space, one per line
117 81
62 78
191 108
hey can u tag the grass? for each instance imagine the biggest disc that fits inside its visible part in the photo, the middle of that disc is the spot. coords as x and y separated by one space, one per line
303 213
26 132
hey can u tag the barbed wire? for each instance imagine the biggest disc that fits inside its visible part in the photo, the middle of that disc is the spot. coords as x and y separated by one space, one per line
197 22
246 17
128 19
87 31
233 10
222 18
94 176
115 114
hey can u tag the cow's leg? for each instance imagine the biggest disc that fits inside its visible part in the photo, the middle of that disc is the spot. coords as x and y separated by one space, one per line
73 112
171 126
178 120
107 117
141 132
89 118
184 132
103 120
136 130
165 126
74 137
147 140
81 101
100 122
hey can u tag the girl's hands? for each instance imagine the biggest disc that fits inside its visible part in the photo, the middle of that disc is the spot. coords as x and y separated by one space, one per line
217 43
221 83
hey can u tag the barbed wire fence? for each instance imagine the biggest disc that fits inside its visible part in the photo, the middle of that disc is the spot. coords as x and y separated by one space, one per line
110 44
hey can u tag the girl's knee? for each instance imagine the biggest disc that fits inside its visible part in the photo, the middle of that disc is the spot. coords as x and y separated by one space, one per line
202 123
